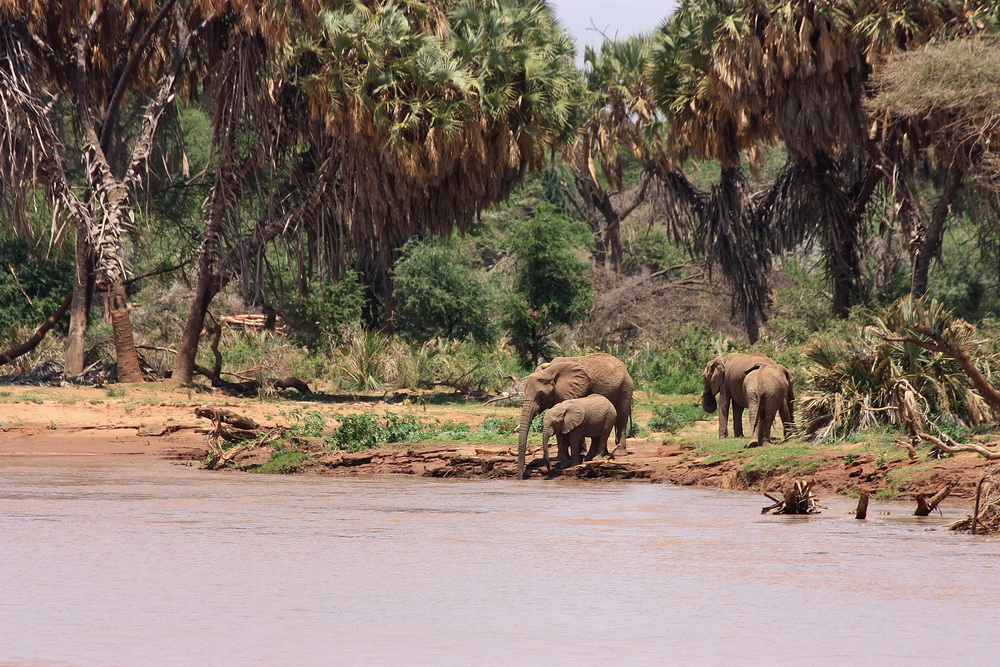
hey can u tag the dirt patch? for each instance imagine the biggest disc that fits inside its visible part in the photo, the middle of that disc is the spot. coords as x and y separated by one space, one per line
159 420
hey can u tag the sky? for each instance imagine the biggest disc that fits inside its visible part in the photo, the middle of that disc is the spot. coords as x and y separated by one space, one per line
615 18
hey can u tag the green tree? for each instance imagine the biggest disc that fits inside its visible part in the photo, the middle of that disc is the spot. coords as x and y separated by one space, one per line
31 285
439 293
328 309
551 287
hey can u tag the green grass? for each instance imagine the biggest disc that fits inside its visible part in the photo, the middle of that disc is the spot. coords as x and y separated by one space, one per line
284 463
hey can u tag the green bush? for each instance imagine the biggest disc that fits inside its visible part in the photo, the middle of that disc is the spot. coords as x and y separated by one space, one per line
499 426
282 463
325 312
672 418
32 285
439 293
550 283
677 369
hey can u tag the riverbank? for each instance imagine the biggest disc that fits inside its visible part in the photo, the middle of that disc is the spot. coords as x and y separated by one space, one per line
461 439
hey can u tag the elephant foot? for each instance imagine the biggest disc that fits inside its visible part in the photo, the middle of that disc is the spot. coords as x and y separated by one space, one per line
753 443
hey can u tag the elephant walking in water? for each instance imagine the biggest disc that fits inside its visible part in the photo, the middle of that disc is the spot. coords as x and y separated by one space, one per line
566 378
769 390
724 376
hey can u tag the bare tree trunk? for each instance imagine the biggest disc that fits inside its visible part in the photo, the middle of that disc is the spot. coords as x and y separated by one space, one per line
36 338
187 349
927 243
80 312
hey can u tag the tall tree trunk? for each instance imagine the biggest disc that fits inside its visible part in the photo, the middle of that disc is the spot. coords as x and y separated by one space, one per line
205 290
927 242
80 311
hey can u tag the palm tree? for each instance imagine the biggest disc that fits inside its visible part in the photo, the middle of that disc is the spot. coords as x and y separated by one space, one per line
98 56
391 119
734 76
619 124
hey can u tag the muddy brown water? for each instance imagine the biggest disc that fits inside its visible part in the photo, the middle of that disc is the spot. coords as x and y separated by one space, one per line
132 561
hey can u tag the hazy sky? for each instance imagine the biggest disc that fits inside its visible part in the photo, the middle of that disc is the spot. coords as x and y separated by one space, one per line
619 18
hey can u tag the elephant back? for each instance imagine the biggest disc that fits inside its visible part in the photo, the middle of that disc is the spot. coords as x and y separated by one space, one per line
608 374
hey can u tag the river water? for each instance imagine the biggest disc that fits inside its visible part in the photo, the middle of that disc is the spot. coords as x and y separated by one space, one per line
129 561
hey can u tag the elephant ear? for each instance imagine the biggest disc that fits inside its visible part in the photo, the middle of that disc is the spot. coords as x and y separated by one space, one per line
791 384
574 417
715 372
572 381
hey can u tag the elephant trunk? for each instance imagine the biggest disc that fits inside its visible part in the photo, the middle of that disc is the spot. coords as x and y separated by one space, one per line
528 411
708 403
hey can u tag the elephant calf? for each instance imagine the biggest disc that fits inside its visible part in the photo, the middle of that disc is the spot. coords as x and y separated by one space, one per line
769 392
573 420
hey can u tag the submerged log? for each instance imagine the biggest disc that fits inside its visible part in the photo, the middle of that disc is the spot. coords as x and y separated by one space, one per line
927 504
862 511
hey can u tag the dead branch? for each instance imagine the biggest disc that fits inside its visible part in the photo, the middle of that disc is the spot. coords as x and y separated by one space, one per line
226 416
13 353
926 505
798 498
911 451
955 447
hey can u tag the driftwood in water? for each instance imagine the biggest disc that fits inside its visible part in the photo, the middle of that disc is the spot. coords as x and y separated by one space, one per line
862 511
798 498
985 517
927 504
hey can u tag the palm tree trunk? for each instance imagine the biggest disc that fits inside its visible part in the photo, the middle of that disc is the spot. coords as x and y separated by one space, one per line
121 324
80 312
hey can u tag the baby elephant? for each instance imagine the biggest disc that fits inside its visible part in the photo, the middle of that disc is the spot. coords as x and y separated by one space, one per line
573 420
769 392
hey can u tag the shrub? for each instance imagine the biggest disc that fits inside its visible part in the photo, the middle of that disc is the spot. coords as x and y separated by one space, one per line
440 294
32 285
326 311
550 284
672 418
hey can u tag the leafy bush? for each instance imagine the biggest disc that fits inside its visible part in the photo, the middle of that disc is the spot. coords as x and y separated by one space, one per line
359 432
326 311
32 285
499 426
440 294
677 369
672 418
282 463
550 284
876 378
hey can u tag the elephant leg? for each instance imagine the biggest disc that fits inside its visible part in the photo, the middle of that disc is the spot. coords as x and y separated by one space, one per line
562 443
786 419
765 427
753 417
738 420
724 414
624 412
574 449
595 446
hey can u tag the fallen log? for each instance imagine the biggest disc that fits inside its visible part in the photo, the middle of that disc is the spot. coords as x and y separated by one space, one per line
226 417
927 504
955 447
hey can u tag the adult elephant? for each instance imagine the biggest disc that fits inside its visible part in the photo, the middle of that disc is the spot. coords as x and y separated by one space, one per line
769 389
575 377
724 376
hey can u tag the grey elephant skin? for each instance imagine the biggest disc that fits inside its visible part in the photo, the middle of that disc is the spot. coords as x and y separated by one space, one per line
574 420
724 377
566 378
770 391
